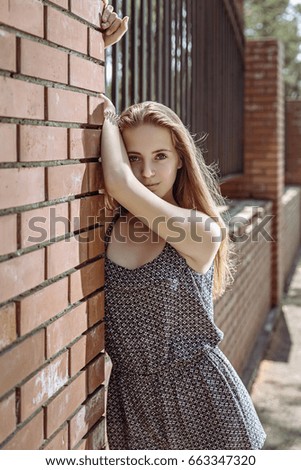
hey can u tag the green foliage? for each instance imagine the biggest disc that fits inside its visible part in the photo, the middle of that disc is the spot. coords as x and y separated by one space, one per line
281 20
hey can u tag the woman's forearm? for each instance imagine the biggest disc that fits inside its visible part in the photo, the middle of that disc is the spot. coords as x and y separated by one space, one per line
115 163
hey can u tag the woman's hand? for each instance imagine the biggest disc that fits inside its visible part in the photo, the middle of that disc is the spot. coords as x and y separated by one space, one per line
107 104
112 26
109 111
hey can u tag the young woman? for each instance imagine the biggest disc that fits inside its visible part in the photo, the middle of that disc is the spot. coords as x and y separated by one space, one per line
167 258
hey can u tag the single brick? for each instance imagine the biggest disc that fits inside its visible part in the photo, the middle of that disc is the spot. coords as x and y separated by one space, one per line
86 74
8 138
95 177
43 305
96 242
86 280
96 438
41 387
8 332
20 186
21 99
43 224
8 416
42 143
66 106
8 234
29 437
96 308
66 31
38 60
95 110
96 373
67 180
59 441
7 51
96 44
21 274
86 348
84 143
65 255
18 359
89 11
26 15
62 406
86 212
67 328
77 355
86 417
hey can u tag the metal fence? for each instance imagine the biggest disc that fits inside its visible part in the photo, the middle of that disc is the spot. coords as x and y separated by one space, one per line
188 55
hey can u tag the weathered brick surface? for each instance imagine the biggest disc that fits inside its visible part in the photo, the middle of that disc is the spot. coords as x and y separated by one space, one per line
38 60
263 176
8 416
47 193
27 270
66 106
86 417
7 51
17 357
36 391
8 138
64 404
65 329
43 224
29 436
66 31
8 230
26 15
41 143
21 99
40 307
20 186
293 142
89 12
8 332
59 441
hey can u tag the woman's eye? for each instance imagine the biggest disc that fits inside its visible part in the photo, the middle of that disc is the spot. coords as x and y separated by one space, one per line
133 158
161 156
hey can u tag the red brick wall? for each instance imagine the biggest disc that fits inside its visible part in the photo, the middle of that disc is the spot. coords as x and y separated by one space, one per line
293 142
51 298
241 312
263 176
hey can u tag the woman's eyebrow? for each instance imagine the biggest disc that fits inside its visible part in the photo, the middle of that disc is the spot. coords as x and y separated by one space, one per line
155 151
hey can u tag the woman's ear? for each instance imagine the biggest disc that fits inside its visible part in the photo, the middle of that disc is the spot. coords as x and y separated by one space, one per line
180 163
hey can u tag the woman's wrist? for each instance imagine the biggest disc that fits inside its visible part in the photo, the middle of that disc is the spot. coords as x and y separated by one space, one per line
112 116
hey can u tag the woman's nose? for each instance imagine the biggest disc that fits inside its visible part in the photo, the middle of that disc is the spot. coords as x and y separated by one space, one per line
147 170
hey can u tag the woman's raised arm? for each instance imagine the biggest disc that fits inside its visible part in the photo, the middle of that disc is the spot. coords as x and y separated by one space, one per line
194 234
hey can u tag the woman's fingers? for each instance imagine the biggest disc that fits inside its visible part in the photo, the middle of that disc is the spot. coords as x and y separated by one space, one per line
113 27
116 35
108 105
109 20
112 24
106 13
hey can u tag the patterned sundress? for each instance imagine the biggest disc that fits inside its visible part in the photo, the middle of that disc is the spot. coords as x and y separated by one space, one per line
170 387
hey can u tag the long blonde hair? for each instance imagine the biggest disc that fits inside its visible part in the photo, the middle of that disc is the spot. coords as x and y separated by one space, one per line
196 185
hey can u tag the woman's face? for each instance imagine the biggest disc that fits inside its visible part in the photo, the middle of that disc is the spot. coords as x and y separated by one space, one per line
154 160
